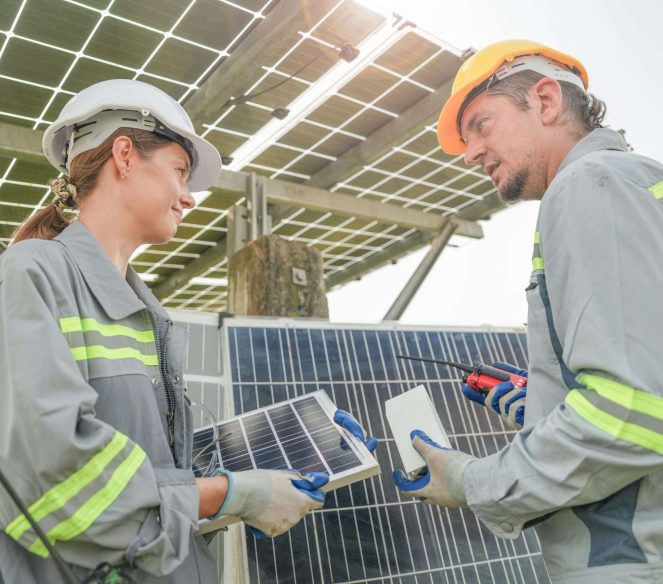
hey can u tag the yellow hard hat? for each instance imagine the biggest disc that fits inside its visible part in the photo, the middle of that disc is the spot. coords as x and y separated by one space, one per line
484 64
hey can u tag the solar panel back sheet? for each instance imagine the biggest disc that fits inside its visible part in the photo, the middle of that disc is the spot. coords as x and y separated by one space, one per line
297 434
367 532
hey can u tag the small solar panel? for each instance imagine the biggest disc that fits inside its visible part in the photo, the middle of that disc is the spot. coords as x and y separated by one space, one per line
297 434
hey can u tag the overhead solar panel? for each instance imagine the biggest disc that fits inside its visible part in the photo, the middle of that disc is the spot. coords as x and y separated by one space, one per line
367 532
363 127
295 434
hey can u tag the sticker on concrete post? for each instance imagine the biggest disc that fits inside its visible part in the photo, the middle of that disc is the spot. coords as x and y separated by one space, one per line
299 276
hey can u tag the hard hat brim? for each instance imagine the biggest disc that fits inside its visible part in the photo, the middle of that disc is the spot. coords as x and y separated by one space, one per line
447 128
209 165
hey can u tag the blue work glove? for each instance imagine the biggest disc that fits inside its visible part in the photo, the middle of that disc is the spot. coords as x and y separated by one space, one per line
505 399
347 421
272 501
442 481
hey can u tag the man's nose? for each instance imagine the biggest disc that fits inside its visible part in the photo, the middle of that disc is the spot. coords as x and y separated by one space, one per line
474 152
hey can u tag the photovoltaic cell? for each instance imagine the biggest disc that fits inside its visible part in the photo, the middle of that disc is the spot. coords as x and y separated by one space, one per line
367 532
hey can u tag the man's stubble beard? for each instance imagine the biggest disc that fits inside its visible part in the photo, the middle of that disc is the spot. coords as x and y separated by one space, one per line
526 184
512 189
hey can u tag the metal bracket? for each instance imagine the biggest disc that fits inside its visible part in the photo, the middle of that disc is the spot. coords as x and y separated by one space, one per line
259 220
250 221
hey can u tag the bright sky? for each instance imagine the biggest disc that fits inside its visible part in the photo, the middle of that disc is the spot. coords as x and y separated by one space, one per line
483 281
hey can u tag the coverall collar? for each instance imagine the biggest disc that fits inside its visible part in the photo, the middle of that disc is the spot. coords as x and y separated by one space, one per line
118 297
599 139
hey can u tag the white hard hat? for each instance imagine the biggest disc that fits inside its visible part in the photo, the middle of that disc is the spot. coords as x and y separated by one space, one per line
95 113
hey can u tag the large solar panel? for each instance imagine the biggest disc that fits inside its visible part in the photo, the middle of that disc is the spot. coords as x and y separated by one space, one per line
355 134
367 532
297 434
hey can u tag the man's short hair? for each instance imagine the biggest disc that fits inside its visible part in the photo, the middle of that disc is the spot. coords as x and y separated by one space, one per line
584 109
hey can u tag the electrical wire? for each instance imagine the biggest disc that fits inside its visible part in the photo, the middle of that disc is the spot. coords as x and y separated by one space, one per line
211 465
65 570
242 99
103 573
273 87
216 438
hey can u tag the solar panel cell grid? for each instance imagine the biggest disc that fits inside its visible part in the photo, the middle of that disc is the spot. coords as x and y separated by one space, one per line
295 435
367 532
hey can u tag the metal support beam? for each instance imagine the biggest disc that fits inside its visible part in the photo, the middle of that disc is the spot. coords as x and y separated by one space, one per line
299 195
349 206
416 280
234 77
483 209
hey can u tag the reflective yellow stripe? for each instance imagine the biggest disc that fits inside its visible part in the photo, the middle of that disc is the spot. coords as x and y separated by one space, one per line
614 426
657 190
625 396
78 325
537 264
100 352
88 513
61 493
537 237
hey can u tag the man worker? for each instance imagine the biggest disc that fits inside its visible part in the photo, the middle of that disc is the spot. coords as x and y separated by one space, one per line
587 467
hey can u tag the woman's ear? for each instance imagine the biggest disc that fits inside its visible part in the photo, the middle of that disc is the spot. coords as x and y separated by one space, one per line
123 153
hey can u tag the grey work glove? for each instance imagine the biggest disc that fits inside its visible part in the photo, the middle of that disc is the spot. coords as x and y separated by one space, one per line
442 482
272 501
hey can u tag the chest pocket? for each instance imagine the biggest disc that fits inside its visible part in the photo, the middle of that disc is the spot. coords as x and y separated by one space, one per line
103 348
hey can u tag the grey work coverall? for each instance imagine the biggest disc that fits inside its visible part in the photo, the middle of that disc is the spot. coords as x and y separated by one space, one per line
587 468
95 430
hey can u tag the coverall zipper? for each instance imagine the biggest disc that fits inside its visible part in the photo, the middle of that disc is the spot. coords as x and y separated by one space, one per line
169 392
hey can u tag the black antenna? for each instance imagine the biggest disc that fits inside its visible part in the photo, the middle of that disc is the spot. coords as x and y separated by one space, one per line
463 366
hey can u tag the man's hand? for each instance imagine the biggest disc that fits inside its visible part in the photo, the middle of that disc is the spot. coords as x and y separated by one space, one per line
505 399
347 421
442 482
272 501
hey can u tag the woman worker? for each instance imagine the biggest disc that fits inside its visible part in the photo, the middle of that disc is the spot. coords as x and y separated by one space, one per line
95 433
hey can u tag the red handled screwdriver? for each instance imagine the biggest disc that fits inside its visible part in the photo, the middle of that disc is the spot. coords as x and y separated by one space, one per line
480 377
